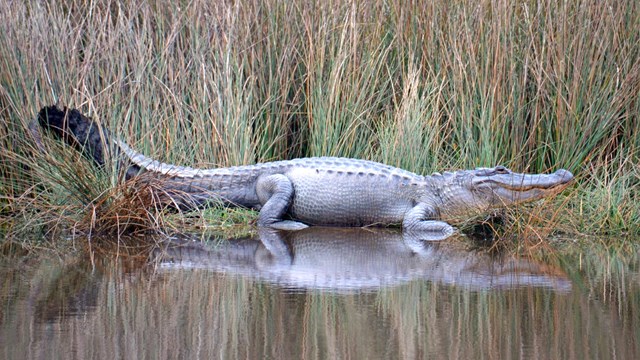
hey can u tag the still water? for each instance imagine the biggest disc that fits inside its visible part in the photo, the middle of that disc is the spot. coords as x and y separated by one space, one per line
323 293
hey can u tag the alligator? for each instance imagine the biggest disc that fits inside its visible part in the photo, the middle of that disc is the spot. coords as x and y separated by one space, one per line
345 260
329 191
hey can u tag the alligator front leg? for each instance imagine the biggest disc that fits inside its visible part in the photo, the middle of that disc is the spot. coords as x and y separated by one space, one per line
276 194
419 222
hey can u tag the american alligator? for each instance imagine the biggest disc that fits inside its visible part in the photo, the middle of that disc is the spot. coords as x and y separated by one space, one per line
293 194
356 259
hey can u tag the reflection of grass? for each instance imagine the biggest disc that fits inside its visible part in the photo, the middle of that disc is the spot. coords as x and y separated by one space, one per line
427 87
195 313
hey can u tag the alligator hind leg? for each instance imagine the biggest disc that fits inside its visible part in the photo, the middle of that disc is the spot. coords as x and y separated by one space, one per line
418 224
276 193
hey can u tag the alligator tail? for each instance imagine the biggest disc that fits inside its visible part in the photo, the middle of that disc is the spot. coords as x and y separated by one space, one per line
83 134
76 130
90 139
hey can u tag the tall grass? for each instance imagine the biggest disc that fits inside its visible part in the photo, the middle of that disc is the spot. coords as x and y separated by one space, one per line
535 85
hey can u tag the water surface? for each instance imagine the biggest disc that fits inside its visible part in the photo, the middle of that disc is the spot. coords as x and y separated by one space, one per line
323 293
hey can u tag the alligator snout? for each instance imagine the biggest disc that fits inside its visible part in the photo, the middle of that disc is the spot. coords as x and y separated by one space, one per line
564 175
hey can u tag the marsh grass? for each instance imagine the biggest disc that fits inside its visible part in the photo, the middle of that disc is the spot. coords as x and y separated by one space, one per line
426 86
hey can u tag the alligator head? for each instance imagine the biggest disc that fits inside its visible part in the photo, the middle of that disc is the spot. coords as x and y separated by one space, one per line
483 189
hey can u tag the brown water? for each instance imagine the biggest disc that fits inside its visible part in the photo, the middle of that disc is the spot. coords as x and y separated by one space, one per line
323 294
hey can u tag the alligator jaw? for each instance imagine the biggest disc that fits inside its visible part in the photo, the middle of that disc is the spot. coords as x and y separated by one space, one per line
523 182
516 188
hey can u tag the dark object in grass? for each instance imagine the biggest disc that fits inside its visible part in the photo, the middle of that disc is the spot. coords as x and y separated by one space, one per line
83 134
76 130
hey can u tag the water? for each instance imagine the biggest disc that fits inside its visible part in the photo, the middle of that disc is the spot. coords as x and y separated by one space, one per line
323 294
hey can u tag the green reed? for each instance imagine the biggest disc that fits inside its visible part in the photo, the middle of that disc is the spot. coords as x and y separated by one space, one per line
425 86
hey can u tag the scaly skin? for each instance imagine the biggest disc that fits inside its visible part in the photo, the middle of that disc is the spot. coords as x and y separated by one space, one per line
325 190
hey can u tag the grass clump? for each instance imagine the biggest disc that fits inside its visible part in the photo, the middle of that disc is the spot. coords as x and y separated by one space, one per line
426 86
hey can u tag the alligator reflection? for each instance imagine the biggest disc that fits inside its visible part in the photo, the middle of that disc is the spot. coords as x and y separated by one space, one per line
340 259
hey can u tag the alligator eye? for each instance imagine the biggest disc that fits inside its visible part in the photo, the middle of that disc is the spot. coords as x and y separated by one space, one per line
501 170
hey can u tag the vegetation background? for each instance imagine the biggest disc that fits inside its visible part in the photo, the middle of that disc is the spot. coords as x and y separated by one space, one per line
423 85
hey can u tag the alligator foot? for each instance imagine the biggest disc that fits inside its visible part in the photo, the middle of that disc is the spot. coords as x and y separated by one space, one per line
421 241
431 230
276 193
289 225
420 224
